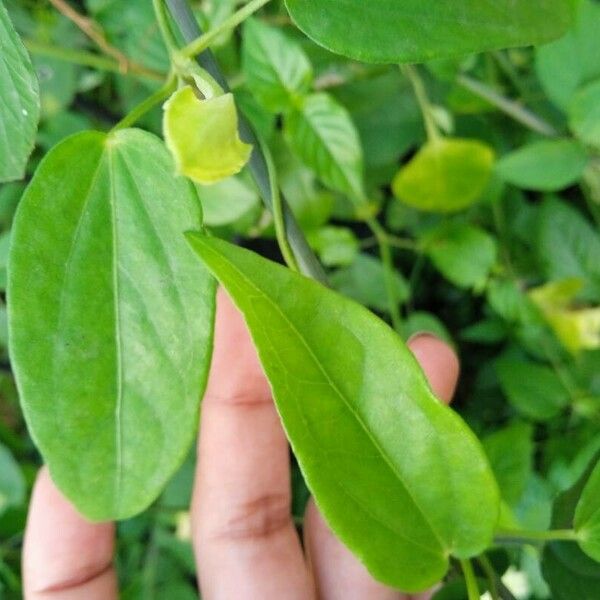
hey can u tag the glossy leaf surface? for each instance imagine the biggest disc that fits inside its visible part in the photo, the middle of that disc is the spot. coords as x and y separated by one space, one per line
446 175
19 102
323 135
277 70
391 31
398 475
203 136
110 318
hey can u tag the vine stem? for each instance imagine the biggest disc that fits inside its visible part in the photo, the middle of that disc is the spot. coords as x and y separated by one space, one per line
490 573
385 252
511 108
277 210
524 536
148 104
88 59
163 25
411 73
204 41
470 580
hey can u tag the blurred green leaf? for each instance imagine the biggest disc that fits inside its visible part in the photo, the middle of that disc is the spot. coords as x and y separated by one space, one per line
587 516
584 114
336 246
446 175
12 482
546 166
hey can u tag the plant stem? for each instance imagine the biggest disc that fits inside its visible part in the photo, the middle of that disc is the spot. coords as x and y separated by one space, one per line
511 108
88 59
388 271
433 133
146 105
204 41
163 25
93 31
526 537
306 259
470 580
278 216
490 573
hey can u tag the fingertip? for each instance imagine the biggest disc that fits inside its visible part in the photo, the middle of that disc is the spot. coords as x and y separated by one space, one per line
439 362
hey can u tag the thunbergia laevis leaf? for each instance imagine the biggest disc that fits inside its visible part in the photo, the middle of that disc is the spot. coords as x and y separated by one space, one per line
203 137
398 475
110 318
19 102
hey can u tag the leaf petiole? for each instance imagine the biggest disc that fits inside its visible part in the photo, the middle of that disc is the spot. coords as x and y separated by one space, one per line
411 73
148 104
205 40
470 580
525 537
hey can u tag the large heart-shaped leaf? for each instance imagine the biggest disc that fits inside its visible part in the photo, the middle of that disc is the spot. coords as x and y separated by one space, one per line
19 102
399 477
110 318
391 31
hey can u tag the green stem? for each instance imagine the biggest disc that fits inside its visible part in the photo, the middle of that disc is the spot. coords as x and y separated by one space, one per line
490 573
89 59
164 26
388 271
146 105
278 215
509 107
470 580
526 537
411 73
204 41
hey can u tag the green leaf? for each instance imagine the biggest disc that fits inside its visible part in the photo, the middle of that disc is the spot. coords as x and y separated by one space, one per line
226 202
335 245
544 166
19 102
364 281
573 60
510 452
569 246
389 31
277 71
584 114
323 135
587 516
393 470
464 254
203 136
110 318
536 391
446 175
12 482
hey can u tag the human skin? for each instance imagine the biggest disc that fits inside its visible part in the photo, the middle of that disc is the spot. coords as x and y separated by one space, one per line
245 542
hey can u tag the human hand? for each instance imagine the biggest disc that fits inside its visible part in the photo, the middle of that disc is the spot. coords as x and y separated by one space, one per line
245 542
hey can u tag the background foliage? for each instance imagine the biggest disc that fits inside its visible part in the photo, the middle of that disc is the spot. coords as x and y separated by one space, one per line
501 256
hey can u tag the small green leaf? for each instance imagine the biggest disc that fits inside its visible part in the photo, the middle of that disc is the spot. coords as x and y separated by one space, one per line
336 246
536 391
323 135
110 318
545 166
277 71
399 477
446 175
584 114
226 202
464 254
19 102
389 31
203 136
587 516
364 281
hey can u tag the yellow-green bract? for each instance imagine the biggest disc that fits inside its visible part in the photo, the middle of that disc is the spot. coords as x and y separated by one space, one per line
399 476
110 318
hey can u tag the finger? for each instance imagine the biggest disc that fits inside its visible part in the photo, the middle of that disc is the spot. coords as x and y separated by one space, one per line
245 541
64 556
337 573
